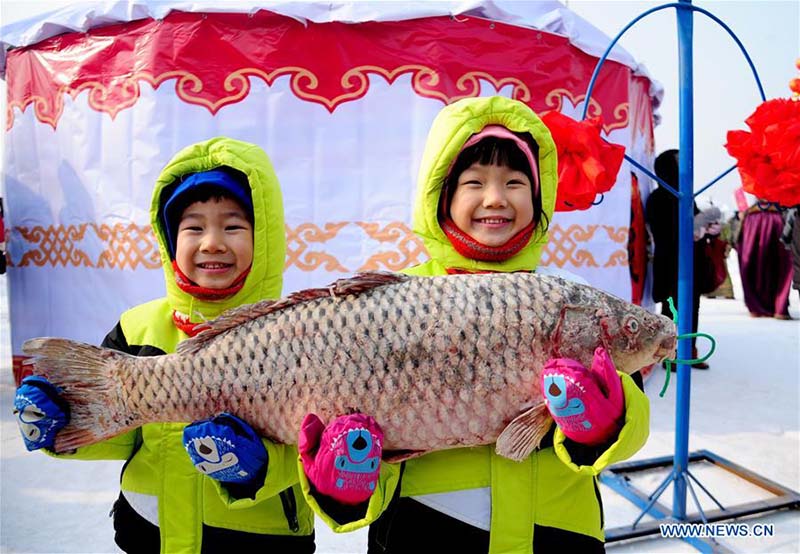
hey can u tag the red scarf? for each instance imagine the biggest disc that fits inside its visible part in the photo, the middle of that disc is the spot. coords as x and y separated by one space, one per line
471 248
459 271
183 323
188 286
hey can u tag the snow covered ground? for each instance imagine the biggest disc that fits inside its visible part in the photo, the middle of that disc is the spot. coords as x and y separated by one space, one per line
745 409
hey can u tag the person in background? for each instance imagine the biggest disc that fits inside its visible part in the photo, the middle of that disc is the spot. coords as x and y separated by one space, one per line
661 214
217 213
791 240
765 265
708 227
486 191
725 289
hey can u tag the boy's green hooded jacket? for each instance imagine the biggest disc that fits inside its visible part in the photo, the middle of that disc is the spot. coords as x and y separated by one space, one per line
159 480
549 488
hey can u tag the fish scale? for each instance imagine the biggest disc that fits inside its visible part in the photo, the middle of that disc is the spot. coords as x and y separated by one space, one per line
439 362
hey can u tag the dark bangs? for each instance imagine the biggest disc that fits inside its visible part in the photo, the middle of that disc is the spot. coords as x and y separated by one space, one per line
494 151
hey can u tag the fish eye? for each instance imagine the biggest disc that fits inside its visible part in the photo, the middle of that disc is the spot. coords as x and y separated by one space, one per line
632 325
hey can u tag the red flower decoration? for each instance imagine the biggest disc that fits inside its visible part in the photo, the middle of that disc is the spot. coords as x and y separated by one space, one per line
587 164
768 156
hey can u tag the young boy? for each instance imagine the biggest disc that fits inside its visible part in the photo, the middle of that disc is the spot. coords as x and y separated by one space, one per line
218 215
487 188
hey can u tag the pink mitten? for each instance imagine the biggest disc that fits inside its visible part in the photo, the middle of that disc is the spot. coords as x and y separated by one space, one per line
587 405
343 459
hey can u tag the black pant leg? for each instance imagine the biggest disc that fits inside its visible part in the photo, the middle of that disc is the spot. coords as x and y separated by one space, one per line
549 540
133 533
410 527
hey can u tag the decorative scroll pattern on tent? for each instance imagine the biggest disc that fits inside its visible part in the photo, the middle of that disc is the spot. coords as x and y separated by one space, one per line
299 254
409 248
555 100
126 246
310 247
111 63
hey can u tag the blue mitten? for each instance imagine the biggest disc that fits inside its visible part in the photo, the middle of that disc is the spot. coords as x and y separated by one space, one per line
226 449
40 412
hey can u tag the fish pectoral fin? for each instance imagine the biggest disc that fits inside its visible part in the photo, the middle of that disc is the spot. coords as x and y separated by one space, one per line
397 456
523 435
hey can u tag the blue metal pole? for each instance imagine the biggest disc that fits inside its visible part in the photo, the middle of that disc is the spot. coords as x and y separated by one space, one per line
685 196
685 255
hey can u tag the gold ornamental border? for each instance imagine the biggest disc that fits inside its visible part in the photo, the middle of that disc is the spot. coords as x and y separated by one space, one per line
555 100
303 83
131 246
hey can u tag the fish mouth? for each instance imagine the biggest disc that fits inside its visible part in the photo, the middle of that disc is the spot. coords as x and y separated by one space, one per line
666 349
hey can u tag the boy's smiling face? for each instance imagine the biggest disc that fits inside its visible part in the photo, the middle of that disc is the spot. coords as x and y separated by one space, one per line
215 242
492 203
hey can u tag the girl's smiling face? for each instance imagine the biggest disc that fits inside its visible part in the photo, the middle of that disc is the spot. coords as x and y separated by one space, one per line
492 203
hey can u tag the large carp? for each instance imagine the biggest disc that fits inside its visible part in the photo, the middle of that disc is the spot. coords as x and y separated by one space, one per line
440 362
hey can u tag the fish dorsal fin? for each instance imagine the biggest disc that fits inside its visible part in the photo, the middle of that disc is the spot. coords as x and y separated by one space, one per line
357 284
523 435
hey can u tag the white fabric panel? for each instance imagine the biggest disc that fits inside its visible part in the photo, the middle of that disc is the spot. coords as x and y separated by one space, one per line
143 504
472 506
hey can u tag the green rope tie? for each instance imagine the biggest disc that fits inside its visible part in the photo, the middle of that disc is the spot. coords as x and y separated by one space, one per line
669 362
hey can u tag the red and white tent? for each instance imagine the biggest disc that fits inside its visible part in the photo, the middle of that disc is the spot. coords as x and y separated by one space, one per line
339 95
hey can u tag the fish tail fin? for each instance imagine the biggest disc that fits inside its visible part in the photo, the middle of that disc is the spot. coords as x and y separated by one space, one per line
89 380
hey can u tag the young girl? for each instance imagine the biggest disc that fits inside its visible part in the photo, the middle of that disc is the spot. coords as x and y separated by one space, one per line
487 188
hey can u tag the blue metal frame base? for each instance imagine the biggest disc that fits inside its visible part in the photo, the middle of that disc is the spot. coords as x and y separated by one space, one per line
616 478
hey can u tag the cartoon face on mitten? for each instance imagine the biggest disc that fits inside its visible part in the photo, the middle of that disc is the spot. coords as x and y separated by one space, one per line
38 416
31 420
587 404
357 460
342 460
563 397
212 454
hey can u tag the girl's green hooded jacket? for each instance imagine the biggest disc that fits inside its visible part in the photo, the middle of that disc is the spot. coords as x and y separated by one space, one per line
549 488
159 480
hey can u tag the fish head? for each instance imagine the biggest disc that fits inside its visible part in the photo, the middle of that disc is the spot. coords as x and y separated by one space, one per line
634 337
